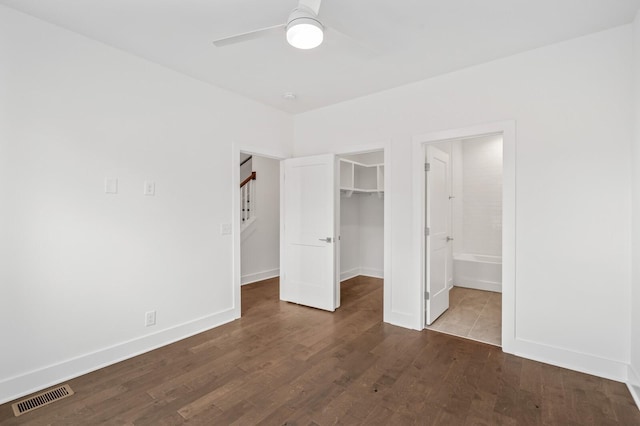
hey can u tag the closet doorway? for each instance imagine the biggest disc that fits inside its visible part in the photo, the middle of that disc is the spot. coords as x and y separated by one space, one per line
362 219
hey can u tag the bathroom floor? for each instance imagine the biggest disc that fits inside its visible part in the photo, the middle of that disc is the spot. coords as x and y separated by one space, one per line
474 314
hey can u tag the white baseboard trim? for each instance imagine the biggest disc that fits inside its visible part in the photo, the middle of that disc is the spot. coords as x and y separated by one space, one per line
584 363
372 272
259 276
479 285
351 273
401 319
633 383
367 272
36 380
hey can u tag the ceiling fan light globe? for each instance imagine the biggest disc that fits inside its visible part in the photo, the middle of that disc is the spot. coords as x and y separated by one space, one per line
305 33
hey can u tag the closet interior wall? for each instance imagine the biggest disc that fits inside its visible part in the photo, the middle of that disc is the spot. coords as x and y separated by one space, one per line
362 215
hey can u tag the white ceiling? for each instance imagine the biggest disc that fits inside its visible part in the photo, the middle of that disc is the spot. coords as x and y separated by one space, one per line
380 43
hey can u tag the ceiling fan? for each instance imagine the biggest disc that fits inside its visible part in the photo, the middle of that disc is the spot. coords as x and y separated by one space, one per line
303 28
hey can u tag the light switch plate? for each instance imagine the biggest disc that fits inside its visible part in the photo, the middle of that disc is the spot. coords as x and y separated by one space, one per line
225 228
149 188
150 318
110 185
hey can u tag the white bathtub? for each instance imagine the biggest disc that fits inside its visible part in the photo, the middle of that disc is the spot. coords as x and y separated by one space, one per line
478 271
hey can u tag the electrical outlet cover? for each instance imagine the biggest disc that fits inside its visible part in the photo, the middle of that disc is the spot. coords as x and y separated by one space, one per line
110 185
149 188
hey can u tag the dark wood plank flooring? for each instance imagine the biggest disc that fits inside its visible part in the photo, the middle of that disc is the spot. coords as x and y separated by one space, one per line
283 364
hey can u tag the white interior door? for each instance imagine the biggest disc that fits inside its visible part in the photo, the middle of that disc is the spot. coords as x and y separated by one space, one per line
438 224
308 248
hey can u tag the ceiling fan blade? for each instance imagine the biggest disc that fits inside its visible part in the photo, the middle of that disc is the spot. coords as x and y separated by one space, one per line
251 35
314 5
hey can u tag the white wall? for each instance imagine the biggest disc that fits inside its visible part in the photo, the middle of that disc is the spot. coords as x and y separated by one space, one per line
349 236
260 242
79 268
481 196
457 185
246 168
361 236
373 157
371 223
362 227
571 102
634 372
476 178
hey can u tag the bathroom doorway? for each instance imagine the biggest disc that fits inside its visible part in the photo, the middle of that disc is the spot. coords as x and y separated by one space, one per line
483 268
464 259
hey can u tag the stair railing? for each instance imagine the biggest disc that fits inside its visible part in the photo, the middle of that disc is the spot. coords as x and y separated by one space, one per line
247 197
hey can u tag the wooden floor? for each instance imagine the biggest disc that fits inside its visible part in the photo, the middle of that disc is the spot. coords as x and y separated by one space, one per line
286 364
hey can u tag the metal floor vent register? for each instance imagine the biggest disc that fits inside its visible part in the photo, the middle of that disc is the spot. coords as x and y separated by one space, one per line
41 400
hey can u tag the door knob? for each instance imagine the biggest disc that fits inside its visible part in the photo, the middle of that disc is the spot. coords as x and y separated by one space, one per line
449 239
326 240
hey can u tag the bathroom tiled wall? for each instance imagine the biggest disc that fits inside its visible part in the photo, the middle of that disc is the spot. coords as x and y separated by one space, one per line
481 199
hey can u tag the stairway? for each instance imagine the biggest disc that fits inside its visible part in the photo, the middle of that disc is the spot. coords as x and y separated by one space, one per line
247 201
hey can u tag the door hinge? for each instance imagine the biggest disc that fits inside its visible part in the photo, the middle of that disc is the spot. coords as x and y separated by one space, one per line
427 167
426 295
427 230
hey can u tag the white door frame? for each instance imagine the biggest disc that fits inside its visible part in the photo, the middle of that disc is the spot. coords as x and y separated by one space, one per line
508 131
384 146
235 212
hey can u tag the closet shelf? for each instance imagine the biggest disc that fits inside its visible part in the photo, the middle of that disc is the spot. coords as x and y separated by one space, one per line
350 191
361 178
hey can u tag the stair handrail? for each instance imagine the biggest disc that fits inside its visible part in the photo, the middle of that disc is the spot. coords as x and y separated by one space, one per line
249 178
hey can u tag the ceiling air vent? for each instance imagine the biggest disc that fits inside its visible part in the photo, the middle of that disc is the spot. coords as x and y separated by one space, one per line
41 399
